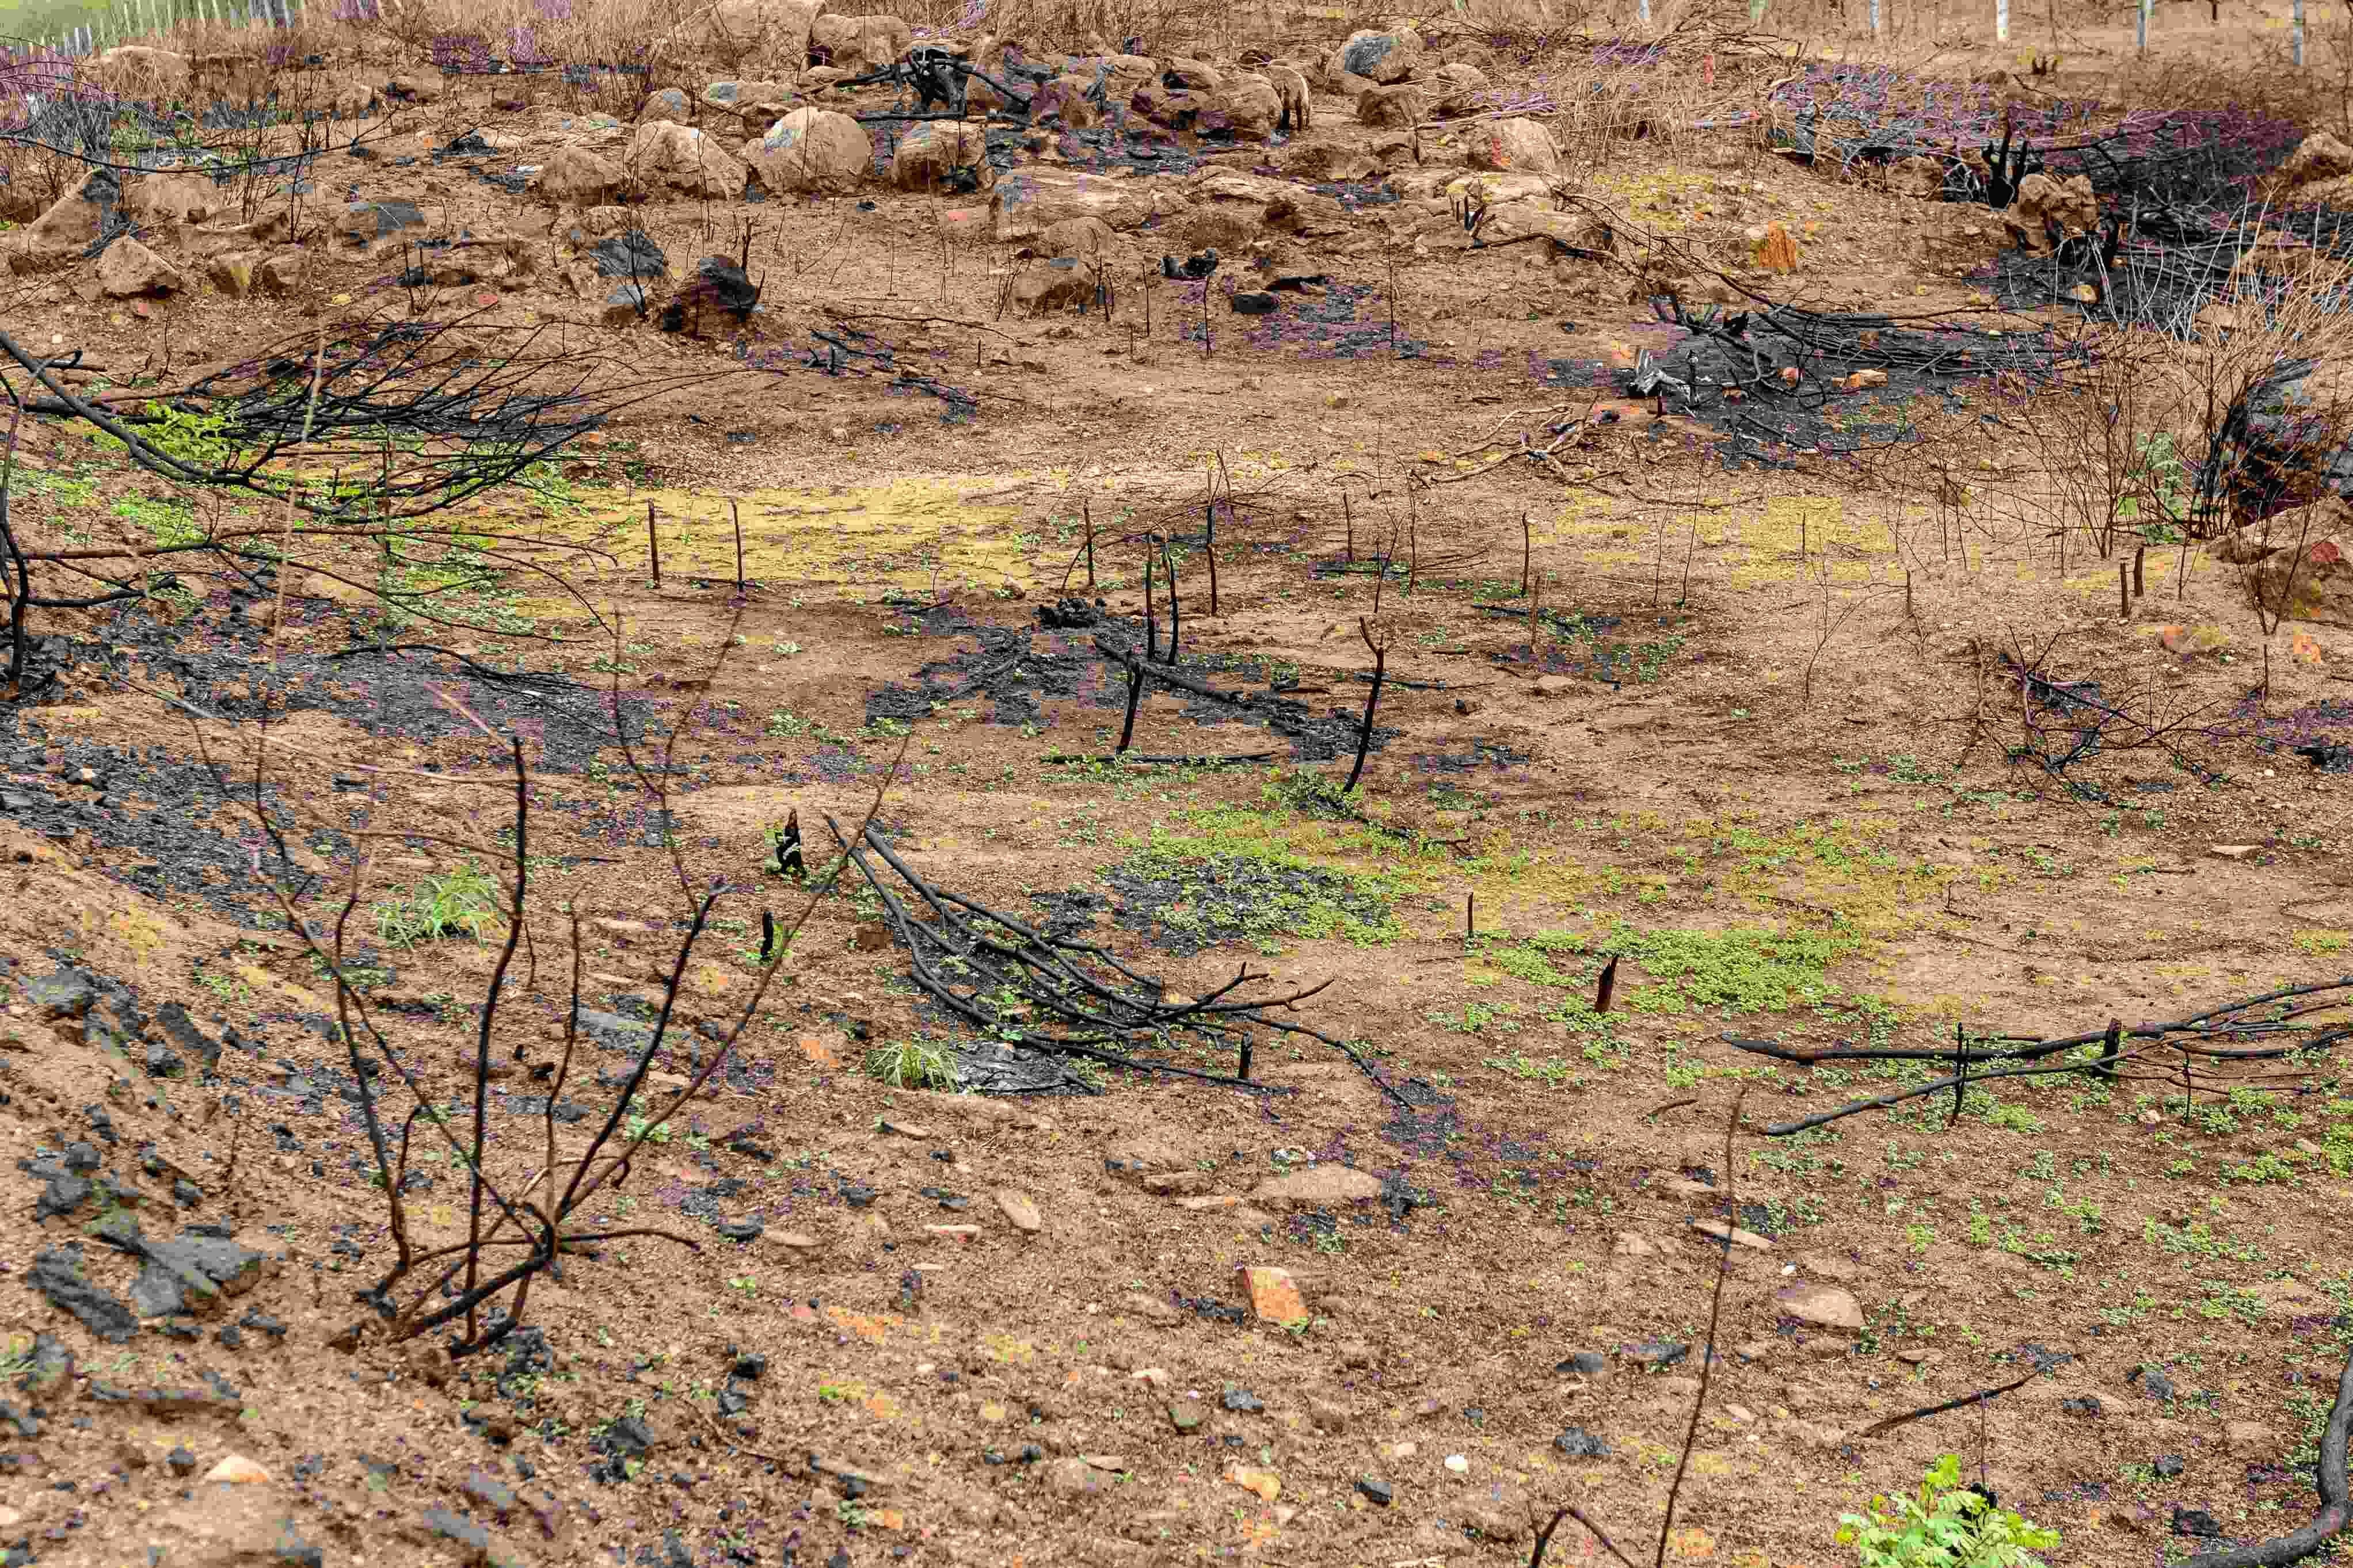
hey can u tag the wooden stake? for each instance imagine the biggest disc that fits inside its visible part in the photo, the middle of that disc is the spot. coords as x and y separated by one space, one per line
1212 551
1087 513
1528 551
1960 1070
653 545
2123 592
2109 1048
1151 625
2140 558
1470 917
1175 611
736 516
1134 697
1608 983
1372 702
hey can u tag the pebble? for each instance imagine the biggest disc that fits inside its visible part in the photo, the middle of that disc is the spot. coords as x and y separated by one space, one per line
1457 1464
1380 1494
236 1470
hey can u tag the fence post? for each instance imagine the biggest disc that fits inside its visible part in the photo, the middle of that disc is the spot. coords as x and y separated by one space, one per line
2002 21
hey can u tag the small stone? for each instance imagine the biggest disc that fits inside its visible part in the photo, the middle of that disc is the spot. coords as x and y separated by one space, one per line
1824 1306
1579 1444
1273 1295
2195 1521
1380 1494
1583 1363
182 1462
1457 1464
1020 1211
1733 1233
1071 1476
2169 1467
235 1469
1656 1353
1242 1400
2232 851
1150 1309
1267 1484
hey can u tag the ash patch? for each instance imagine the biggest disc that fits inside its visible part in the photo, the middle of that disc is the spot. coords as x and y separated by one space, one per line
2321 732
1012 668
1233 898
1483 754
1350 321
386 694
1070 915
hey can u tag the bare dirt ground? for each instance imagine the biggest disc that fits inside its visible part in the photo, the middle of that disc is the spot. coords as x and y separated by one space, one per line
1835 735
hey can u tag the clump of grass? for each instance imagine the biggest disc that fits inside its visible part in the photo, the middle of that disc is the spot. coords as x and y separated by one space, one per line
1222 887
463 902
912 1064
1947 1525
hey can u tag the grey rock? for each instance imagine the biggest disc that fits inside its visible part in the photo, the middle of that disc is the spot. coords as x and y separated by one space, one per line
59 1276
67 994
1579 1444
50 1368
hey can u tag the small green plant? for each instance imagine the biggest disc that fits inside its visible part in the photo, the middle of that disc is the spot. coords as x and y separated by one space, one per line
463 902
1947 1525
912 1064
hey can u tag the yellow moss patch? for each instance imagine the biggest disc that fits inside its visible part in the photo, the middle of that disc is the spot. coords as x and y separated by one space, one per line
908 534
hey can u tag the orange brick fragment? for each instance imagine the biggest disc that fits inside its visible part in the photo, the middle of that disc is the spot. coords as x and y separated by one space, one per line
1274 1294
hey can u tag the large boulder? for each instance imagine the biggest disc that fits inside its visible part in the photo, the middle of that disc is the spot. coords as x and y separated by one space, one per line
1066 99
128 269
1080 238
1056 285
162 200
2047 211
575 177
775 32
669 103
1245 107
943 155
2309 580
1381 59
753 102
812 150
1519 145
1030 201
662 156
1399 107
860 44
72 224
2319 156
